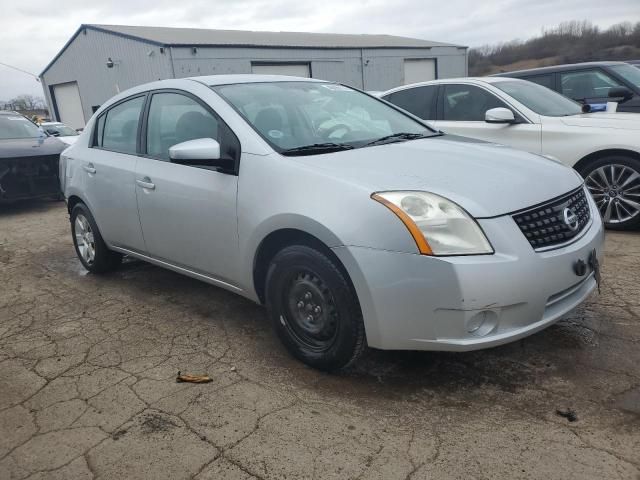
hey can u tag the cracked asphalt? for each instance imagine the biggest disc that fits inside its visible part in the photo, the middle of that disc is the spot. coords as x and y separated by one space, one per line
88 366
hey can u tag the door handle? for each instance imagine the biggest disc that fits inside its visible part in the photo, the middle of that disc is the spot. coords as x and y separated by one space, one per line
146 183
89 168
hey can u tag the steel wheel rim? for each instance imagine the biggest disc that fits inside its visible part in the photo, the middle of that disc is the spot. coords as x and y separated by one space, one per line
616 191
85 241
310 311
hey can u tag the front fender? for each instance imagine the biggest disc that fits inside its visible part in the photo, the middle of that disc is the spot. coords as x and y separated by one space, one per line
283 221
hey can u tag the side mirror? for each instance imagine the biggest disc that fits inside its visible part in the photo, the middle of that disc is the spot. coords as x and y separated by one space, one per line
201 151
499 115
620 92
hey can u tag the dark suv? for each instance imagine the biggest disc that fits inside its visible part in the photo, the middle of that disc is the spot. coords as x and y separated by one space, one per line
28 159
590 83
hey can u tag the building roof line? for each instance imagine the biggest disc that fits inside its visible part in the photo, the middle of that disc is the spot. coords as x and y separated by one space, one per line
97 29
203 38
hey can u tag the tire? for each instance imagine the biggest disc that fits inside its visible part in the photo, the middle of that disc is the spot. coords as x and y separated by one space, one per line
616 192
314 309
89 245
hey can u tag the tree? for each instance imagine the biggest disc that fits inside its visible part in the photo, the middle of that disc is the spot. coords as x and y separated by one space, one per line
28 102
569 42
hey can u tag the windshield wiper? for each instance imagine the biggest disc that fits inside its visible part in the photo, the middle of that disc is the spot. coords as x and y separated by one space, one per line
316 148
398 137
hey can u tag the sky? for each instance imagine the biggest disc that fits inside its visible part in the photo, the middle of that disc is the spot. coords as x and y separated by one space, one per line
32 33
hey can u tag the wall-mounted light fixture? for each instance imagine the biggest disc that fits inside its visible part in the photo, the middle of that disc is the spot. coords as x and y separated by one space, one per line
111 63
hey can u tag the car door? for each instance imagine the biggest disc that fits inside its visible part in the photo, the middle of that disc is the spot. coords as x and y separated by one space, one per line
462 109
587 85
187 212
109 168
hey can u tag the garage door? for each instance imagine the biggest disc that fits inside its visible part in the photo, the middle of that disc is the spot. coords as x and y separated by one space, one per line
67 98
419 70
293 69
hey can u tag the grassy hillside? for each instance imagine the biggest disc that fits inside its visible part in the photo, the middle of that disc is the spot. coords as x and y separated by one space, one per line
570 42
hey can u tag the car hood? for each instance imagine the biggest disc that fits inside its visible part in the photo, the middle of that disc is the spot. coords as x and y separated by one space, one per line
69 140
619 120
30 147
484 178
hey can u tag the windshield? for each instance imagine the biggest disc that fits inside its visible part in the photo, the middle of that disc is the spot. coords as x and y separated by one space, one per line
60 130
314 116
16 126
540 99
630 73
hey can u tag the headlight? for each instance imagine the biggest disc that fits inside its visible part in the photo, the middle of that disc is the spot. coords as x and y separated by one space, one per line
438 226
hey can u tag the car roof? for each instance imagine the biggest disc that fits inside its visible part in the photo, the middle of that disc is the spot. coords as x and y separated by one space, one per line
443 81
212 80
558 68
206 80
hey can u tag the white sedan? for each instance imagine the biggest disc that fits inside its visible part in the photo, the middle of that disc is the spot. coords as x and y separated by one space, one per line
64 133
603 147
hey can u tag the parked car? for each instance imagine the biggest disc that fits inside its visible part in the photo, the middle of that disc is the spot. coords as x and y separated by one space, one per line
589 83
353 222
28 159
603 147
65 133
635 63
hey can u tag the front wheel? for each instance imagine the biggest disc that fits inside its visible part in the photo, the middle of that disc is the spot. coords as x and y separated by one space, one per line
614 183
88 242
313 308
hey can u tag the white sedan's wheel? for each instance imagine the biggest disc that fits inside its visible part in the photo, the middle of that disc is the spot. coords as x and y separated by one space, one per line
614 184
616 190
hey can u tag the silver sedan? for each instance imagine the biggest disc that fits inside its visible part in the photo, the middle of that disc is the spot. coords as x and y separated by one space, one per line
352 221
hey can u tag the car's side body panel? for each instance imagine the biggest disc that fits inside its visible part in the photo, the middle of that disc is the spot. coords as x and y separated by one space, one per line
189 217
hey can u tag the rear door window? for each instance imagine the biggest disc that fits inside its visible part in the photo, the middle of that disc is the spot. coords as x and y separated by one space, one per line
419 100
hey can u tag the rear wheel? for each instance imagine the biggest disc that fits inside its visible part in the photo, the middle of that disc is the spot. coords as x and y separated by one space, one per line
314 309
614 183
90 247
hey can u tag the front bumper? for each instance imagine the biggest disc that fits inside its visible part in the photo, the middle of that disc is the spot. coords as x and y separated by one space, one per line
461 303
29 177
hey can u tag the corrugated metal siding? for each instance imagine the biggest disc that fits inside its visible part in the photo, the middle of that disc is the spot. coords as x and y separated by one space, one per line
338 65
84 61
383 68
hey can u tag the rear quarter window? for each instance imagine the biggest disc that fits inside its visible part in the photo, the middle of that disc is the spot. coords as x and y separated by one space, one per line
117 129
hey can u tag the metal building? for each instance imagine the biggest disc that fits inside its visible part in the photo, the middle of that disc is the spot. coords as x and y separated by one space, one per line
101 60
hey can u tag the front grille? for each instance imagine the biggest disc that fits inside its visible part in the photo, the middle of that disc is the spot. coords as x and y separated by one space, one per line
544 225
26 177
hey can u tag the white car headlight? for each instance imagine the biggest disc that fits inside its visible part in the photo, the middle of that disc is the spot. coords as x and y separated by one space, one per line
438 226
